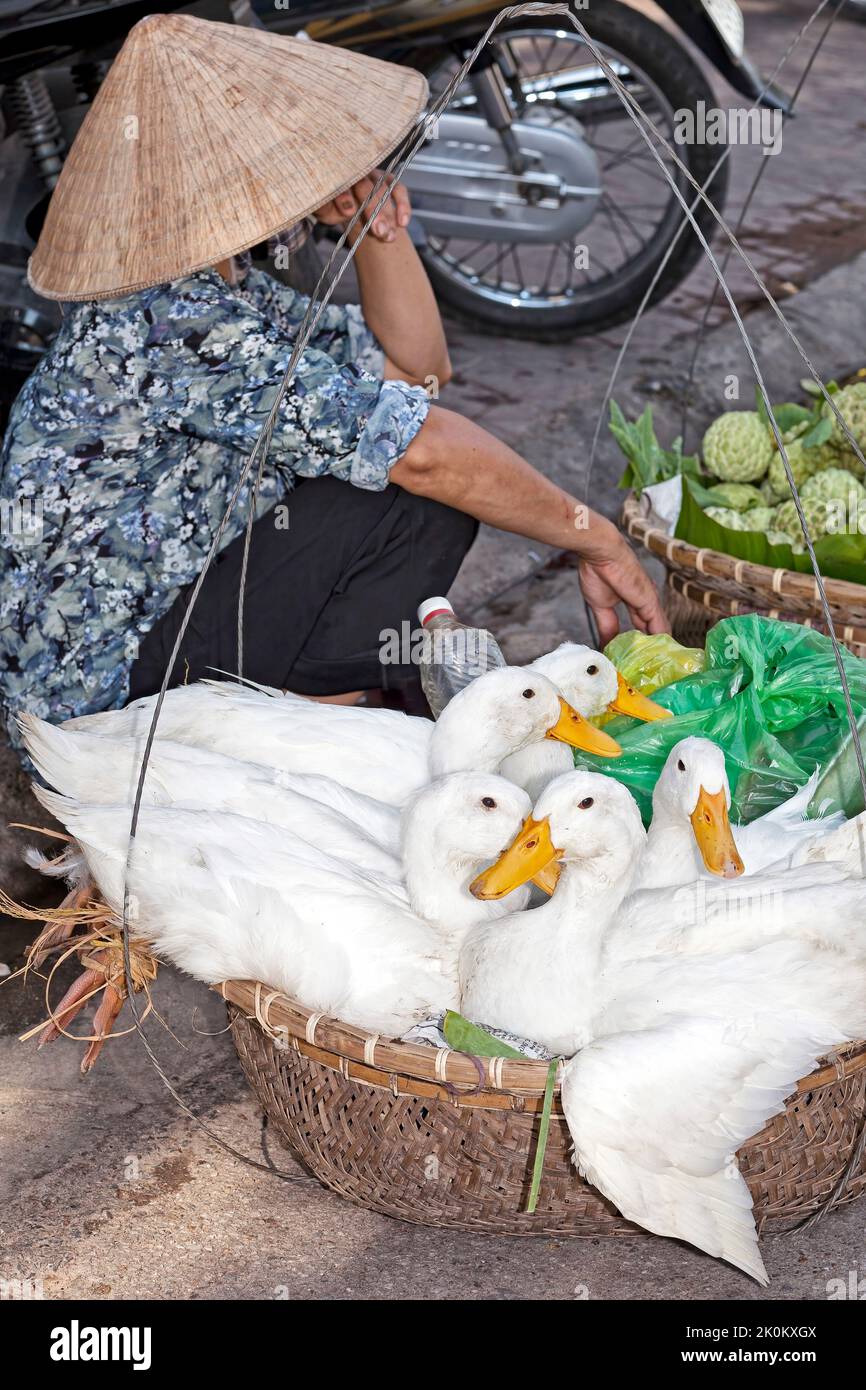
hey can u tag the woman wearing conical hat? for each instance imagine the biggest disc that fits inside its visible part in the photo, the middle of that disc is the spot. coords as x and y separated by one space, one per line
125 444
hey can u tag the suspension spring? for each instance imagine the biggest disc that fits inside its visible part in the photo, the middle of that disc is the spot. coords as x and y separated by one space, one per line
39 125
88 77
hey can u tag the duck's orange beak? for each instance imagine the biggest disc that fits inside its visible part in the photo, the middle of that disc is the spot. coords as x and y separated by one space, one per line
548 878
630 701
526 857
572 728
714 835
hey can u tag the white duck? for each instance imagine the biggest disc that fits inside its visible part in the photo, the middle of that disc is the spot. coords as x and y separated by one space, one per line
378 752
690 835
686 1053
224 896
104 770
593 686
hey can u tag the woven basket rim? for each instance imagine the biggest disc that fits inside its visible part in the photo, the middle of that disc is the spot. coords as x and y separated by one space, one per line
720 605
709 563
282 1017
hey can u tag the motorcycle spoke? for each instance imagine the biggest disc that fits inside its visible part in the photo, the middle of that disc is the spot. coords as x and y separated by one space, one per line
558 84
520 279
604 208
495 263
545 284
616 211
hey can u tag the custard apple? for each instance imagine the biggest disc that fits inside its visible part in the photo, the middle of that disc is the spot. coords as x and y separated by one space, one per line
785 518
834 484
726 516
847 459
759 518
740 497
737 448
851 404
779 538
804 462
770 497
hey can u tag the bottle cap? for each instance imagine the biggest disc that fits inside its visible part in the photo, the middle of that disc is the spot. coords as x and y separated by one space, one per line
432 607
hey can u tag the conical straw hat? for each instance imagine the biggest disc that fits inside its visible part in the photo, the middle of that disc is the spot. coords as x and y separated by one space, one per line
205 139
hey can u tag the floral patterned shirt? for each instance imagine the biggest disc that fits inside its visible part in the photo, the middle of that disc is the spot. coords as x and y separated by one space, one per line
124 446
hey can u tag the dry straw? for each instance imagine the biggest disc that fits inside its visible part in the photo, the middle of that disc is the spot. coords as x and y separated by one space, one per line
175 168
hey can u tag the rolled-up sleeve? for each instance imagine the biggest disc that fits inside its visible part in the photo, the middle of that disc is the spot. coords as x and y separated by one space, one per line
220 383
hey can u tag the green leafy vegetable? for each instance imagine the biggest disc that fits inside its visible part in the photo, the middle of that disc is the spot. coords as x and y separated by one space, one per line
789 416
648 462
813 389
543 1131
818 433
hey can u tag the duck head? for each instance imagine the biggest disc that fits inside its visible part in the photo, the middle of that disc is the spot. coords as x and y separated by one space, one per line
475 814
592 684
582 819
449 829
500 713
693 790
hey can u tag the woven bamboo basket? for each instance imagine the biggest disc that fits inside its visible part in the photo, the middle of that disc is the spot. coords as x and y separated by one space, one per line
438 1137
711 585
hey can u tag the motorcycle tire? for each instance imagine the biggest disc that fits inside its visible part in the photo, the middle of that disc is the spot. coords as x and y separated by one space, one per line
677 76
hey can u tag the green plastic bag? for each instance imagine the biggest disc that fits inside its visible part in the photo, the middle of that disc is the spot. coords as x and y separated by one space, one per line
649 662
770 697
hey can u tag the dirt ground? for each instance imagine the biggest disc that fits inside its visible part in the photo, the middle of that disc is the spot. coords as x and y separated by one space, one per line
108 1191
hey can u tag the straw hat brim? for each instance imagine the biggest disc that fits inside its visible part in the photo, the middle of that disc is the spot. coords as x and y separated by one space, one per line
206 139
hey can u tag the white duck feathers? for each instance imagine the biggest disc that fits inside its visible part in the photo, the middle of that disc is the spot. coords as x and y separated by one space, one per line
104 769
680 1057
379 752
224 897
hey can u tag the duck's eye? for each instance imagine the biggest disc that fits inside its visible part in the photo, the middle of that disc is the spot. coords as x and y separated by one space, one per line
488 802
529 694
592 670
586 803
681 765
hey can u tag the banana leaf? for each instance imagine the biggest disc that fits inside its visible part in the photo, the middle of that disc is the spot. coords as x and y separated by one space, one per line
464 1036
841 556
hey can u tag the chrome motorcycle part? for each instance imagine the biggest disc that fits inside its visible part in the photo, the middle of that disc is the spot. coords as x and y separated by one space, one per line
575 253
461 184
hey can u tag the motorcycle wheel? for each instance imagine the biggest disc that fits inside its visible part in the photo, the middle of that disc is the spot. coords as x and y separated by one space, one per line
536 291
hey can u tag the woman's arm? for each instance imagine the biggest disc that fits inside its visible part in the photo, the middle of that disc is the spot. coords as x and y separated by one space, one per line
396 298
455 461
400 309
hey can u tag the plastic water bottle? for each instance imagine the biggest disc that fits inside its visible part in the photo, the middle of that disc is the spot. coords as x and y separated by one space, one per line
452 654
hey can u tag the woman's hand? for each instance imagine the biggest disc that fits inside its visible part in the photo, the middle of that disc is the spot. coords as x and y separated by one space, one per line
393 215
613 575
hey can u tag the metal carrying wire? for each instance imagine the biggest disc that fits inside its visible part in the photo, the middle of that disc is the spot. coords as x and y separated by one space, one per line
306 328
319 301
725 155
643 124
663 263
747 201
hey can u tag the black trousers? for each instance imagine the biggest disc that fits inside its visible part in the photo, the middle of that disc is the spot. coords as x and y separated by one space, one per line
319 593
